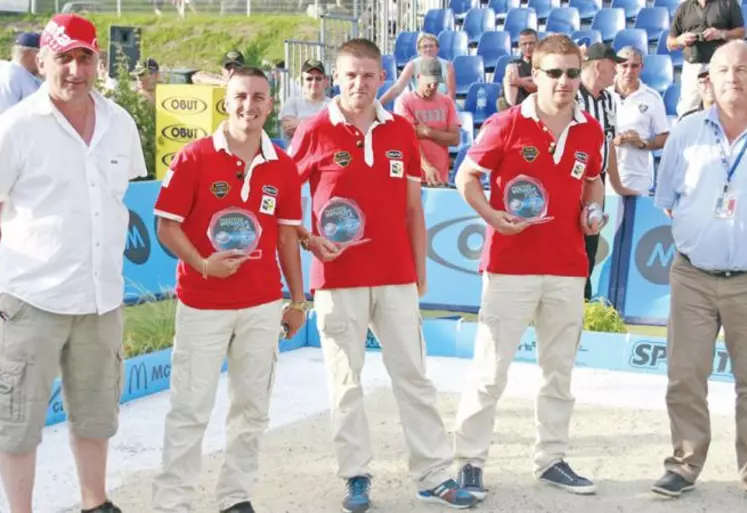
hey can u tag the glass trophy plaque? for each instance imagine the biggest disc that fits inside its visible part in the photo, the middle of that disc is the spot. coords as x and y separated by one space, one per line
235 229
342 221
527 198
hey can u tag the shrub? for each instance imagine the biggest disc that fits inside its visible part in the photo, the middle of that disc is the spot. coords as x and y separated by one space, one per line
599 315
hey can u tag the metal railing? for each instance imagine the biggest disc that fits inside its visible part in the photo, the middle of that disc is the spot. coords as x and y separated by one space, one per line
335 30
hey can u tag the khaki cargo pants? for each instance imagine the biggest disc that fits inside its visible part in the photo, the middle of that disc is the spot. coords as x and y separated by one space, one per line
34 346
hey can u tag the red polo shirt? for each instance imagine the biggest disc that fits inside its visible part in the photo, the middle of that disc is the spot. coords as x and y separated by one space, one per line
515 142
373 170
202 180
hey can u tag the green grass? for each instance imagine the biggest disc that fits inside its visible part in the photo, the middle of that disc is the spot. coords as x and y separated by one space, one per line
149 327
197 42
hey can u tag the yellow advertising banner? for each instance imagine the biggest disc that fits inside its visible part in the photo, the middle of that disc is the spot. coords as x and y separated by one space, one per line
184 113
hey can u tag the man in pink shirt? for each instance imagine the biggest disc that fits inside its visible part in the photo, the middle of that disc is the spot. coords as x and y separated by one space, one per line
435 120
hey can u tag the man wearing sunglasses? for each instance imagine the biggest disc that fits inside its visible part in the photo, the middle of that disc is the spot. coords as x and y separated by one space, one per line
547 149
642 124
298 108
705 90
231 60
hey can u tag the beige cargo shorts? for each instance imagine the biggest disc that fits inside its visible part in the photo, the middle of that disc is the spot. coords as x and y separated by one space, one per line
35 346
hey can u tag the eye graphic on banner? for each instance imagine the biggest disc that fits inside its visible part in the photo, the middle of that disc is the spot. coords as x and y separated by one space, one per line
457 243
654 254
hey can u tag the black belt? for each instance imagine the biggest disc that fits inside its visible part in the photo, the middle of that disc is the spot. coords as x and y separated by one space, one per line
719 274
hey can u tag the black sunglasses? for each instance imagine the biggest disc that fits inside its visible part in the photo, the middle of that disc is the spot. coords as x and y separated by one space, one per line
557 72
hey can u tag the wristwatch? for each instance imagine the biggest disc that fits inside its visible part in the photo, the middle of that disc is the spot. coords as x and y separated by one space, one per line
723 35
301 306
642 146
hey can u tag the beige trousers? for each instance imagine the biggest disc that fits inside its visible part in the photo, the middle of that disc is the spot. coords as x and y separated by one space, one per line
204 338
689 94
393 313
700 305
509 305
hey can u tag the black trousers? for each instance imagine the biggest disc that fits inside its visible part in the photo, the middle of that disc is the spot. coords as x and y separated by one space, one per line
592 243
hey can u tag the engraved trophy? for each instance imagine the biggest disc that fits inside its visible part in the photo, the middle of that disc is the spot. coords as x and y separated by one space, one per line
525 197
342 221
235 229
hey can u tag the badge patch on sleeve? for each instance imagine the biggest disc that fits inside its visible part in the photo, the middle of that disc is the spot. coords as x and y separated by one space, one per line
578 170
396 169
267 206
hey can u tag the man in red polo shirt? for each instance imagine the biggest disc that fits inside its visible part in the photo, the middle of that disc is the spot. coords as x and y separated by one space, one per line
543 157
228 204
363 165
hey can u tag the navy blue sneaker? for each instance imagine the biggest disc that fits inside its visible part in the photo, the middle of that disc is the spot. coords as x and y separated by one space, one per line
672 484
357 500
449 494
470 478
562 476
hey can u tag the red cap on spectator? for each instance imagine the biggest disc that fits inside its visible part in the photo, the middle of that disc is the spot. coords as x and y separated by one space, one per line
67 31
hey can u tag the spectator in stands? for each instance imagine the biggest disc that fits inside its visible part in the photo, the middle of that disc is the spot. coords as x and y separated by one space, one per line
105 81
699 27
705 91
19 78
597 75
435 119
147 74
518 82
642 124
428 46
232 60
230 299
67 157
547 145
314 99
374 168
702 181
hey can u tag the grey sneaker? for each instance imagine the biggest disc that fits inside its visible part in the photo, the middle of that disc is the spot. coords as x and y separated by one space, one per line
671 484
561 475
358 497
470 478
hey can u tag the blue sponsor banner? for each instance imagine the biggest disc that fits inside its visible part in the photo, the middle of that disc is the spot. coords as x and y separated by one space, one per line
605 266
147 374
643 295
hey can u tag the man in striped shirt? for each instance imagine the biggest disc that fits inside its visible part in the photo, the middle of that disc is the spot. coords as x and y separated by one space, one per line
598 74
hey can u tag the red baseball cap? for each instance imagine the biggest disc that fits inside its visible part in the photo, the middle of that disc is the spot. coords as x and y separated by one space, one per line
67 31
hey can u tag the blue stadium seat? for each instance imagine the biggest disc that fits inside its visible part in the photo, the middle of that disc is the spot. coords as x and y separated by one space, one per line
460 7
500 68
586 8
492 46
608 22
384 88
405 48
390 66
590 36
654 20
518 19
481 101
563 20
468 70
466 132
477 22
485 179
675 55
543 7
658 72
334 91
671 97
631 37
279 142
437 20
542 35
452 43
631 7
501 7
671 5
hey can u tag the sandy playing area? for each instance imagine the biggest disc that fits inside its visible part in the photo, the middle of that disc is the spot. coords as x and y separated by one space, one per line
621 448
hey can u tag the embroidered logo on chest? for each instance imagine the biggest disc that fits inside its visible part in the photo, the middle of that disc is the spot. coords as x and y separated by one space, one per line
342 158
529 153
220 189
642 107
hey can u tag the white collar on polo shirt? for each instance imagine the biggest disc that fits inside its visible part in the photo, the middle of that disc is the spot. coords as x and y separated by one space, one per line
266 153
529 109
382 116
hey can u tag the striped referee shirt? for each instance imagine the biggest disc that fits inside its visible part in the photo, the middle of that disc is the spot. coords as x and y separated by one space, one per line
604 109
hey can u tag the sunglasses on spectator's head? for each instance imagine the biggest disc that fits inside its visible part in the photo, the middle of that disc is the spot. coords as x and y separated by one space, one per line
557 72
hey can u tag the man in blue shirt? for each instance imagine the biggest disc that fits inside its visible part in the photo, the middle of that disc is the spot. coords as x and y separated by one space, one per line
703 188
19 77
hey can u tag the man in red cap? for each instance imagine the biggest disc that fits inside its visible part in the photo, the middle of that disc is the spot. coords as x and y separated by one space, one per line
67 154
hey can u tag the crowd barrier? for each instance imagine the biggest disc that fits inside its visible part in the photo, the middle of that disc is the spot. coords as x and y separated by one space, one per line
632 269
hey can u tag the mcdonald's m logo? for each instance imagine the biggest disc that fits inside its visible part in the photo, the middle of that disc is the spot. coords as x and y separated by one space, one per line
138 378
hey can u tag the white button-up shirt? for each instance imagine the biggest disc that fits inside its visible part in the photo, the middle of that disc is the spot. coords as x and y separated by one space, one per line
64 221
